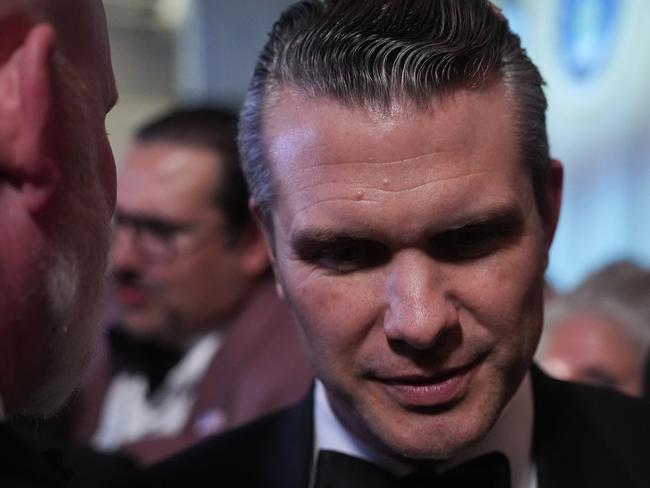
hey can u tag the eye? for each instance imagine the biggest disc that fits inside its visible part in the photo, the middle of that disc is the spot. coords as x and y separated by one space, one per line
348 257
468 243
160 230
342 257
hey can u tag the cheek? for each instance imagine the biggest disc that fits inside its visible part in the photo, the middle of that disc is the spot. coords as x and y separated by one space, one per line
26 318
335 314
505 299
23 264
209 279
169 281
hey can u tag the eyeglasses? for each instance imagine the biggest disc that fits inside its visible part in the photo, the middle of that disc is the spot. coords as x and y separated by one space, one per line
163 240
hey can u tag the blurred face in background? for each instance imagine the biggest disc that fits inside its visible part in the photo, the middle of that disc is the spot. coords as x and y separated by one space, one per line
177 270
591 348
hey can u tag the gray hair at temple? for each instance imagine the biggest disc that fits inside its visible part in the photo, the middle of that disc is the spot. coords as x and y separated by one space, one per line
380 54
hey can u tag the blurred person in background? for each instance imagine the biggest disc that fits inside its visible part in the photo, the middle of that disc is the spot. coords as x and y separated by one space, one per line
600 332
57 194
204 343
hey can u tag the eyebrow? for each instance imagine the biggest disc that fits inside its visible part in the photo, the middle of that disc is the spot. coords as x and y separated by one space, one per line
305 240
506 216
147 220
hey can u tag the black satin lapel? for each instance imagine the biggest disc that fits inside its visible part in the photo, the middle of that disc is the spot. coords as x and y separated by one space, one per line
568 450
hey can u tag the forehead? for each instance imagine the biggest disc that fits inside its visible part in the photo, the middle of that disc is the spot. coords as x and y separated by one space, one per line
586 338
167 179
584 327
325 156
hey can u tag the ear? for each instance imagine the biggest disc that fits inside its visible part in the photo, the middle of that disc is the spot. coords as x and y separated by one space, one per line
254 259
553 193
26 102
266 231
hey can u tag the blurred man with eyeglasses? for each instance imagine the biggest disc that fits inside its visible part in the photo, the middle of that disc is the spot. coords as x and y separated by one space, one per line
203 342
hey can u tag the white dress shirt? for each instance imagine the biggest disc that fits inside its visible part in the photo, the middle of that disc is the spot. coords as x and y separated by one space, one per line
128 415
511 435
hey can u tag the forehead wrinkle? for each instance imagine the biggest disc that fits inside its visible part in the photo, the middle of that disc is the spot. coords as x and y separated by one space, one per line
432 182
355 172
411 159
489 204
333 199
379 188
374 197
299 166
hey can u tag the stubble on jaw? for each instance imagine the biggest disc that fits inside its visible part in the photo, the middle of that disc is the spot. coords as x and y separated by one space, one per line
74 272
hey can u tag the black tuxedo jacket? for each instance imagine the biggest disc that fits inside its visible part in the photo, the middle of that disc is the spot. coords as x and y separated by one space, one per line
583 437
29 459
23 466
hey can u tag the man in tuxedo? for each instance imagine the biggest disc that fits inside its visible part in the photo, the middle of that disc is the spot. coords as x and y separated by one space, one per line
57 194
202 343
398 162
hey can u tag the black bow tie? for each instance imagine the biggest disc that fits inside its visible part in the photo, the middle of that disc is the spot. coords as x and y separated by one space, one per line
337 470
136 355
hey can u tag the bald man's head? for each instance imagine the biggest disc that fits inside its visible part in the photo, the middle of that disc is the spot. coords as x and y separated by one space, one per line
57 193
79 24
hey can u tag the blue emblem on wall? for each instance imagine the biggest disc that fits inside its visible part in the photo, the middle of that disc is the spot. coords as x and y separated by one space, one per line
587 31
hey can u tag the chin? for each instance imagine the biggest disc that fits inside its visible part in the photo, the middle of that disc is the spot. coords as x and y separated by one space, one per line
436 435
437 442
141 324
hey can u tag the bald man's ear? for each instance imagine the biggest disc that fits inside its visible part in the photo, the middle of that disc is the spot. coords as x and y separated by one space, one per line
26 101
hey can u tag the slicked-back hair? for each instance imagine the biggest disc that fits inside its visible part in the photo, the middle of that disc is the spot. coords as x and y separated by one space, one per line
215 129
374 54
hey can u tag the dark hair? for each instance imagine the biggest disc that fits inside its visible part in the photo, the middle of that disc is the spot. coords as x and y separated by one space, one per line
371 54
214 129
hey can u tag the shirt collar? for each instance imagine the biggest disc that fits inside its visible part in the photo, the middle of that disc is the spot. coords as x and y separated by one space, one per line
516 417
195 362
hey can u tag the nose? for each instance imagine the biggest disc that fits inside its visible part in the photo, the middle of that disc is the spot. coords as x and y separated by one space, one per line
124 251
420 310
